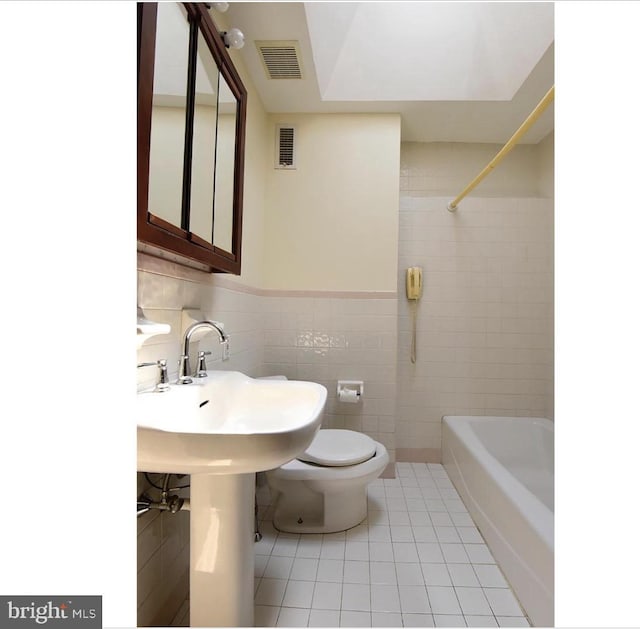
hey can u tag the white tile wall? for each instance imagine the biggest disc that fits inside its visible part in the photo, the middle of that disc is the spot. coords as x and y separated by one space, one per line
326 339
485 322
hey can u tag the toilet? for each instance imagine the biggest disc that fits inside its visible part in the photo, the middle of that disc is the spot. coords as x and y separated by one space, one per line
324 490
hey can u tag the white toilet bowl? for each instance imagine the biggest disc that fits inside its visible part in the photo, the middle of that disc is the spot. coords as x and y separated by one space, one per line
324 490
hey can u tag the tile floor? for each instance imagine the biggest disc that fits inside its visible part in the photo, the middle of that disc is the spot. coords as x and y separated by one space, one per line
418 560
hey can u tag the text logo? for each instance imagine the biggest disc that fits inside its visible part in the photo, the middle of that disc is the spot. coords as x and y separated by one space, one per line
51 611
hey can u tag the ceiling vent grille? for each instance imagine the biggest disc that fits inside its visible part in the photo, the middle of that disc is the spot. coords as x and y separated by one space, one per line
281 59
285 146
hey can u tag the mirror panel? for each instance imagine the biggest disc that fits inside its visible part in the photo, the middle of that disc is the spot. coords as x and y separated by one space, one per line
225 167
203 159
168 117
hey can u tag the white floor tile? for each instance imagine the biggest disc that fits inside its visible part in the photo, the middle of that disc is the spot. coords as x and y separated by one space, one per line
291 617
378 518
481 621
309 548
304 569
358 533
399 518
429 552
443 600
447 534
454 553
479 553
385 619
395 492
401 533
503 602
355 619
380 551
265 545
322 618
436 574
490 576
379 534
385 598
419 518
430 493
504 621
285 546
265 616
435 505
356 572
413 599
455 506
327 596
260 565
332 550
462 574
404 552
424 534
330 570
278 567
356 597
270 592
396 504
339 536
447 493
409 574
472 601
470 535
417 620
416 504
298 594
382 573
462 519
357 551
449 620
442 519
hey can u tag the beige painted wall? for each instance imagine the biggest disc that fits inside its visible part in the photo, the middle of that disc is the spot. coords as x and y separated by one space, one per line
332 223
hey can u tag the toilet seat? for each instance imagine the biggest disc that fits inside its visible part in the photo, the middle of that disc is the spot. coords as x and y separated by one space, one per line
338 448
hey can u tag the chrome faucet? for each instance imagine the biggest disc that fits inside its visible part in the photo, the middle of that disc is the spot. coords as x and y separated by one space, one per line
184 370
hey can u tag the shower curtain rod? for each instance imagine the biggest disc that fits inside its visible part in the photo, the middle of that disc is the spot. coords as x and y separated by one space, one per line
452 206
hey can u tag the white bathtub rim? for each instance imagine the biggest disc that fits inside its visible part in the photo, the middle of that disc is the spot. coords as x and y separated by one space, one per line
524 500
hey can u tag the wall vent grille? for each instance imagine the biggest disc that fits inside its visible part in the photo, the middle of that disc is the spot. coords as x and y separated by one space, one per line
281 59
285 146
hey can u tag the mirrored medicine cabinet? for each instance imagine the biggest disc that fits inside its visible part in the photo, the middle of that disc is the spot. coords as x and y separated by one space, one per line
191 136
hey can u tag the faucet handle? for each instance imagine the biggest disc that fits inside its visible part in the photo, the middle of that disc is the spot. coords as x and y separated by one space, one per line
202 365
162 384
184 370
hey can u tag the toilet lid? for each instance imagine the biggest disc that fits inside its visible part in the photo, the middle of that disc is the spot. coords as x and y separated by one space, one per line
336 448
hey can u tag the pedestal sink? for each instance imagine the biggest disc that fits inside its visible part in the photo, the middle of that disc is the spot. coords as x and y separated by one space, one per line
221 430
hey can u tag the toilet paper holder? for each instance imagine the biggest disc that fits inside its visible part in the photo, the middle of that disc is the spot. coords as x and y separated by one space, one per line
350 390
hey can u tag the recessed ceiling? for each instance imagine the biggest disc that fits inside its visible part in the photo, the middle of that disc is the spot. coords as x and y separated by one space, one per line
454 71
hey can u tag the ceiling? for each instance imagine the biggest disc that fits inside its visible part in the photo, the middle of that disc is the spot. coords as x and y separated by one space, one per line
454 71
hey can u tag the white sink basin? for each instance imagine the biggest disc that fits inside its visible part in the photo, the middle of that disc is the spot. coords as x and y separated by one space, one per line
226 423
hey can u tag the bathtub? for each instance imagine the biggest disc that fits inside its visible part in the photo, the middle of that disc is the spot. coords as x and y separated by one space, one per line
502 468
